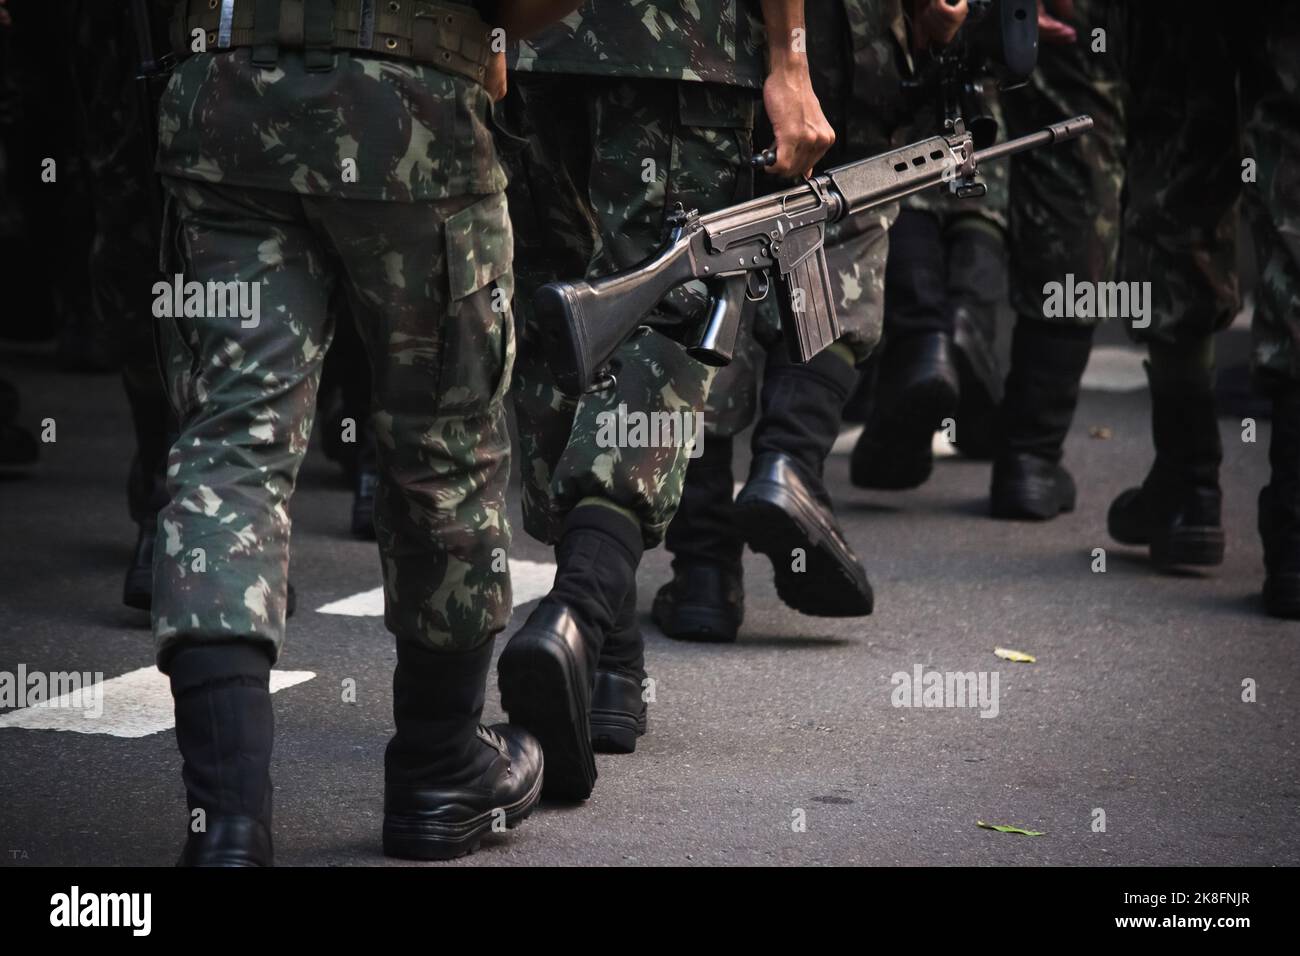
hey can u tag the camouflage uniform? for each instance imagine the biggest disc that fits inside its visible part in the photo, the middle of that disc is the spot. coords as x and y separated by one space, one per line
420 242
623 111
1064 212
1190 134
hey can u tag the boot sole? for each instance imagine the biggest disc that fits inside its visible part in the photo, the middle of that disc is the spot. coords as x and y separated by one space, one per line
826 587
1016 502
1196 547
616 731
412 837
900 456
539 692
696 622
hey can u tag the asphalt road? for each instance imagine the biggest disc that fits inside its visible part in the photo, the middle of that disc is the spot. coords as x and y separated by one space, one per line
1134 706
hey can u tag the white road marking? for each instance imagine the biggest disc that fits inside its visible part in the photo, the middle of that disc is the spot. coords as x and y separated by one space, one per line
1242 320
846 440
941 447
1114 368
135 704
365 604
529 580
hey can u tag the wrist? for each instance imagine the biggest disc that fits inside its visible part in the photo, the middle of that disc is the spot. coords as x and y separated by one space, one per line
789 68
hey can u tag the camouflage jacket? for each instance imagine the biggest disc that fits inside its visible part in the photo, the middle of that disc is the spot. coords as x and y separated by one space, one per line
860 90
371 128
711 41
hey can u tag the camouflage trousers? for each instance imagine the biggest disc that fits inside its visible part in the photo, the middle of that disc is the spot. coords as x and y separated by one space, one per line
429 286
1214 119
604 162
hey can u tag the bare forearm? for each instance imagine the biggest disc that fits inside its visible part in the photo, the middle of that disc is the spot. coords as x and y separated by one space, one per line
801 131
786 35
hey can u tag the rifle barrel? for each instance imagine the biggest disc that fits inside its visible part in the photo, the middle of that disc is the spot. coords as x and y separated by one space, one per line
1056 133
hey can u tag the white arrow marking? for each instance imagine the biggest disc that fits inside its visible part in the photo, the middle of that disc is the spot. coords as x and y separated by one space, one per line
135 704
529 580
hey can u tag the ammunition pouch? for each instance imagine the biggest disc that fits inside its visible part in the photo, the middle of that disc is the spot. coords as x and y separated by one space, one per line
449 36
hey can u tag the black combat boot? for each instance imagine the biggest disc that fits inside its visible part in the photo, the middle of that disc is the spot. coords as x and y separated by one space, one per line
447 778
1176 511
1042 390
916 380
224 729
977 278
363 489
916 389
146 484
547 671
784 511
1279 509
618 704
705 600
137 589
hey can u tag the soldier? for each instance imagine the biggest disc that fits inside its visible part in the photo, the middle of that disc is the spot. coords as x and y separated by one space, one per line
310 148
1064 219
944 282
784 508
1214 117
625 110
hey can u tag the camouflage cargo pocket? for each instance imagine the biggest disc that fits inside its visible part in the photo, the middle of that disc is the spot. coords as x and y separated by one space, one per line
479 342
715 139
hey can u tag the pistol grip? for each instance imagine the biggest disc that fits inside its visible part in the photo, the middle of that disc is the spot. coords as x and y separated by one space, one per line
717 342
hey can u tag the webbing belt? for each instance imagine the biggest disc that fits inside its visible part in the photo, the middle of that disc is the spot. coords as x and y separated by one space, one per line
446 35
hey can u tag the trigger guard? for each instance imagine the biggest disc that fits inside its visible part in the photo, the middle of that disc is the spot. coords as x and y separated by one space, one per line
756 286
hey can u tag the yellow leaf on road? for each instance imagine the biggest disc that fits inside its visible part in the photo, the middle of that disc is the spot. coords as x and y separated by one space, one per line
1002 828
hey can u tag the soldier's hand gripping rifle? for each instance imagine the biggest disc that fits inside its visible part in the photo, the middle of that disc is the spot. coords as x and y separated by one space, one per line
735 250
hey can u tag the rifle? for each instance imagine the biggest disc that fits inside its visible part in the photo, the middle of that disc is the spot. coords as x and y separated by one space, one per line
734 250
